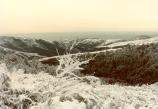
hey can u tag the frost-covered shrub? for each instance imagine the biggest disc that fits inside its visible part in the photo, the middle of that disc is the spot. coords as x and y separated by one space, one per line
16 61
4 78
9 98
131 65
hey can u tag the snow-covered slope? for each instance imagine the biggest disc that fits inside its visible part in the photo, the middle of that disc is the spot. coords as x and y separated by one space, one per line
76 94
39 46
46 48
68 91
4 51
135 42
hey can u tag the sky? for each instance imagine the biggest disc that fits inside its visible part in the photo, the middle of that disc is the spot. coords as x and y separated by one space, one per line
26 16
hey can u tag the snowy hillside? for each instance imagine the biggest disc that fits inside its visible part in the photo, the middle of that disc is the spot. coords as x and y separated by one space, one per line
32 84
135 42
39 46
69 91
102 46
45 48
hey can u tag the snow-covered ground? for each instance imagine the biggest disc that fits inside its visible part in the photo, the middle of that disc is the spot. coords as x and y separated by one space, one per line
135 42
81 95
68 91
118 42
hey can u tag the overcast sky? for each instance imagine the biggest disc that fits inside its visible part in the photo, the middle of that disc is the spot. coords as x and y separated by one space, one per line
24 16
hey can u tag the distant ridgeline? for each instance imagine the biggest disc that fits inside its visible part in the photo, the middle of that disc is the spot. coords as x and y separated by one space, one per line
46 48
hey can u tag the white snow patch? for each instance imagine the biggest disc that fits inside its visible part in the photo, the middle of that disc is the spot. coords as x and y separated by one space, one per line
135 42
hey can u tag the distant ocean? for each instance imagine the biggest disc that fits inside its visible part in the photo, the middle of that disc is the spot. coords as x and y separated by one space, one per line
80 35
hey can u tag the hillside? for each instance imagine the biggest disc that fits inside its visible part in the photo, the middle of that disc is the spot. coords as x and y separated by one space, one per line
102 46
96 74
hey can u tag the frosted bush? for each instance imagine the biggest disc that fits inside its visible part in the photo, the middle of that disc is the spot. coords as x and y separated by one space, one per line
4 78
55 103
68 66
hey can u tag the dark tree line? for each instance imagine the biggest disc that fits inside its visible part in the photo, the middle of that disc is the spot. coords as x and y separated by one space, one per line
131 65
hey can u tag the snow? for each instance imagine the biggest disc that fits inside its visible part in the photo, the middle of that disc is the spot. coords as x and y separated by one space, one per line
118 42
68 91
109 96
61 105
91 41
4 39
19 52
108 42
135 42
4 79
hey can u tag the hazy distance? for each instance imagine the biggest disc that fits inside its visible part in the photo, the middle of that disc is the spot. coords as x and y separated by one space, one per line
37 16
